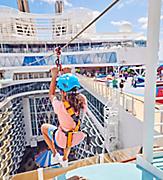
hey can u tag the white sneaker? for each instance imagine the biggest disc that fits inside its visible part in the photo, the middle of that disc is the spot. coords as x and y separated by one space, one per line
64 163
56 159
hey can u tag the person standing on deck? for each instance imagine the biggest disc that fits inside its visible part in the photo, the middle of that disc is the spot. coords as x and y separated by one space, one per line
121 85
134 81
115 83
125 75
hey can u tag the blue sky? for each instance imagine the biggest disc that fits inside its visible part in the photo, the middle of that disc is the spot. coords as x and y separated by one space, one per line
133 12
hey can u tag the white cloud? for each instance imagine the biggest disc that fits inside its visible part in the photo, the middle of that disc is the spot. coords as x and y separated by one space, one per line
123 26
66 2
143 22
122 4
120 23
144 26
129 1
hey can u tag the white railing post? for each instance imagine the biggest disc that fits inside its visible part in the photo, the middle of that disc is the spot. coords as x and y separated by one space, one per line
161 121
123 100
101 93
94 85
111 93
99 88
150 77
106 90
40 174
103 90
133 106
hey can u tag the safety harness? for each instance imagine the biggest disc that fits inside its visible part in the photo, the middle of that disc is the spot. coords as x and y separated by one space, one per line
67 105
71 112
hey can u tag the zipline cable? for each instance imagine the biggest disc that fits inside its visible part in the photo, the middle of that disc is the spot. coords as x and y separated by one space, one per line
84 29
92 22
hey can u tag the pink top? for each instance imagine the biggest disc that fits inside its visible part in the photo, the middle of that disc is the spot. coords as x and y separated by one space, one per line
65 120
67 123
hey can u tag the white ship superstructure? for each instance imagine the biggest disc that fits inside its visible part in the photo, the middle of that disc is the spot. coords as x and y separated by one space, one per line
22 26
25 39
24 32
26 42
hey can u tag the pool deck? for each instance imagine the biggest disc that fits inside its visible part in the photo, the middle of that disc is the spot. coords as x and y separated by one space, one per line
136 95
112 171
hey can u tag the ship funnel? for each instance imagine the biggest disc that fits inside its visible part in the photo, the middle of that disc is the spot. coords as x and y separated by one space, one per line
23 5
59 6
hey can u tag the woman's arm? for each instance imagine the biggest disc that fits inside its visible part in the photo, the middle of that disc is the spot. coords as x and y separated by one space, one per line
54 73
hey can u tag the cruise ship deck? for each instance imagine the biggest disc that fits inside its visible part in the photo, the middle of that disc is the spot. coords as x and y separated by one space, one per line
105 95
124 127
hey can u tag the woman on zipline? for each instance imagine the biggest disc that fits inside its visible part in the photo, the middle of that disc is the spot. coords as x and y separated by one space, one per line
68 109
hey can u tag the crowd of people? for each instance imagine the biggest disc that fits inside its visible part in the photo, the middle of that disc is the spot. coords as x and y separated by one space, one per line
119 80
116 85
116 78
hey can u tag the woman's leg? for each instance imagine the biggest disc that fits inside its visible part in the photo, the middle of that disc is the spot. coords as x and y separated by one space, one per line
49 141
66 153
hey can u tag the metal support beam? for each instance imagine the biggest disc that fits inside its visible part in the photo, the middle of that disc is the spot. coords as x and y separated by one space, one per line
151 76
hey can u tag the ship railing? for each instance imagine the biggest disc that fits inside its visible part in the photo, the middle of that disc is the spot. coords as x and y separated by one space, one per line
130 103
49 173
25 87
96 112
47 50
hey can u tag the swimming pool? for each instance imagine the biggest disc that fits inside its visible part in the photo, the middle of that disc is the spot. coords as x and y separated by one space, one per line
112 171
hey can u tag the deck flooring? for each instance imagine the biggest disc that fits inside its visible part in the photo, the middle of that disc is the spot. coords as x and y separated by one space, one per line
51 172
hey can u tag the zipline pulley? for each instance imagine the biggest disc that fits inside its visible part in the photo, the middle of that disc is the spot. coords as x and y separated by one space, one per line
58 60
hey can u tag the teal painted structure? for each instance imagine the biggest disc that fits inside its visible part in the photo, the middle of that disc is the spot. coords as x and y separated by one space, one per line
112 171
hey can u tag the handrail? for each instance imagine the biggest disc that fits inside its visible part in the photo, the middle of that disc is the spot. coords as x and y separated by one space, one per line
123 93
7 100
127 101
51 172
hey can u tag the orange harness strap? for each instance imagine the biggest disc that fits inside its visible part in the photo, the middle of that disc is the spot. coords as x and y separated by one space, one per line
71 112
